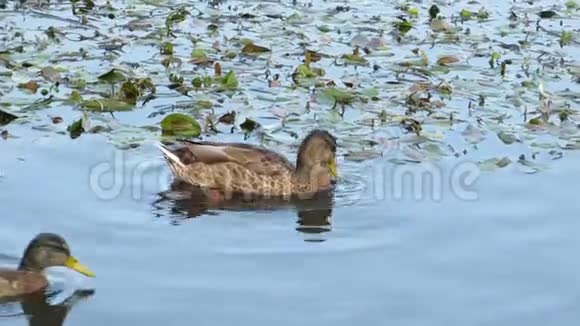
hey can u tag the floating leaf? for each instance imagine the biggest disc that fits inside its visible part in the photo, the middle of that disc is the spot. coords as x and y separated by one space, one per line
178 124
228 118
494 163
129 92
447 60
311 56
6 118
303 71
167 48
507 138
482 14
230 81
465 14
338 95
200 57
79 127
566 38
547 14
75 97
403 26
414 12
355 58
249 125
30 85
107 105
112 76
197 82
50 74
252 48
174 18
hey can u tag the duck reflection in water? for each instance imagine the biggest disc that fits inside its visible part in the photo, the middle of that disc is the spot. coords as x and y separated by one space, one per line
184 200
38 309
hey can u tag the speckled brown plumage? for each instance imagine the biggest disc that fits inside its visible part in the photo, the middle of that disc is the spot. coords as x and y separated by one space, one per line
234 168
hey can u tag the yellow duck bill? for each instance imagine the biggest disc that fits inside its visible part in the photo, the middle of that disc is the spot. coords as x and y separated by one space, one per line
332 168
74 264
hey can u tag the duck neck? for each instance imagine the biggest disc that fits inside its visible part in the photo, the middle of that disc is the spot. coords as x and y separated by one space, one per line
27 265
311 178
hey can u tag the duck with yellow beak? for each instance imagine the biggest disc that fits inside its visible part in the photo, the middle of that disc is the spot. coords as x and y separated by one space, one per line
241 168
45 250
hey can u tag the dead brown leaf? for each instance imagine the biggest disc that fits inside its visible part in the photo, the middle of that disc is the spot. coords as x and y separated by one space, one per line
31 85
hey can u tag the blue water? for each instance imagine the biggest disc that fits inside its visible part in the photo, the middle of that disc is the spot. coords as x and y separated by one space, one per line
505 258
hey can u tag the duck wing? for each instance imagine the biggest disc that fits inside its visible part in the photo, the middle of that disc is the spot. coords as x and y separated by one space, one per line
255 158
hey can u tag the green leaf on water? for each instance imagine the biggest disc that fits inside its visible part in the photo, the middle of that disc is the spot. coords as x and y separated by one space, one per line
75 97
197 82
167 48
507 138
79 127
482 14
107 105
129 92
413 12
230 81
199 57
174 18
249 125
566 37
179 124
355 58
548 14
204 104
369 92
494 57
304 71
466 14
251 49
112 76
494 163
6 118
403 26
338 95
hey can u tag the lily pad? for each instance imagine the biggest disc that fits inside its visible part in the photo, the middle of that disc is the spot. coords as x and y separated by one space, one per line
494 163
252 49
249 125
178 124
107 105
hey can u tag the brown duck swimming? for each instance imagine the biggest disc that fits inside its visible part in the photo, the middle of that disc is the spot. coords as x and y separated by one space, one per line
237 168
45 250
